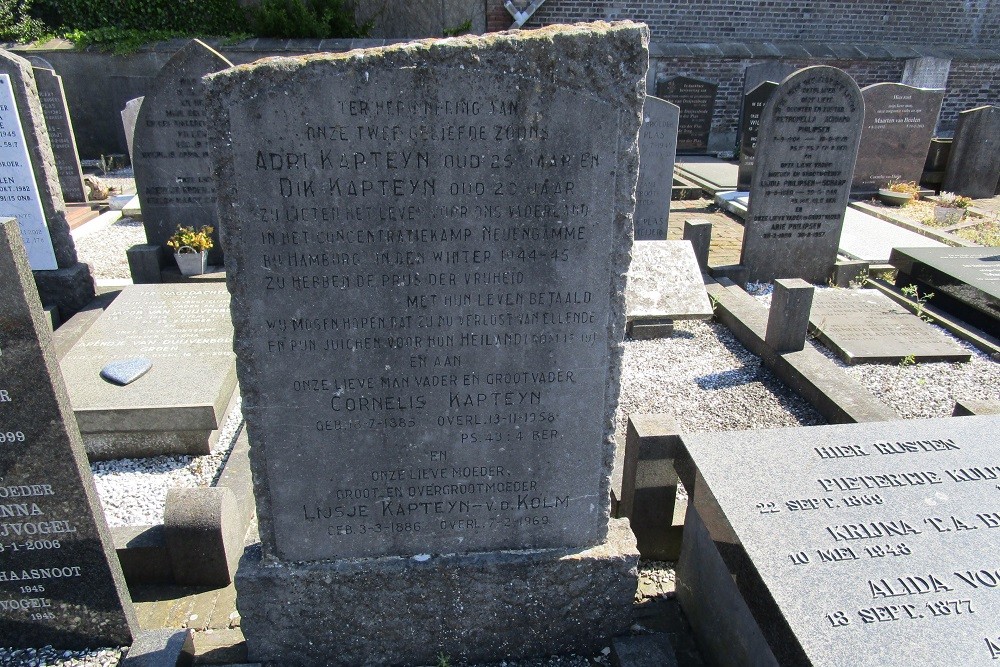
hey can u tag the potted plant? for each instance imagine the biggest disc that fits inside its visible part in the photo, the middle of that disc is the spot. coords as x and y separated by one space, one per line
949 209
191 249
898 193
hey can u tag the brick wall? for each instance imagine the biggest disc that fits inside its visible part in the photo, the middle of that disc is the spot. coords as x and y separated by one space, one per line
970 84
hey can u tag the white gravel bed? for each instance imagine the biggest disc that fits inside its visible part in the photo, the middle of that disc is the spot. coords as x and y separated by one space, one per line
105 250
50 657
133 492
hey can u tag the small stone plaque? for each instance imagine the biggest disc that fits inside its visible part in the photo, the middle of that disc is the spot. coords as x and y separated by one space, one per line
664 282
753 107
61 136
974 165
865 326
871 545
657 150
696 99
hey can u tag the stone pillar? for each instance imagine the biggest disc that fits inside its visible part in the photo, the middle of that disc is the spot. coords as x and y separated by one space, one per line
788 318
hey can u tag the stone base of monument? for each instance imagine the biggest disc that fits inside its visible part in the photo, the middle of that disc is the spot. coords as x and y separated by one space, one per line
476 607
69 289
158 648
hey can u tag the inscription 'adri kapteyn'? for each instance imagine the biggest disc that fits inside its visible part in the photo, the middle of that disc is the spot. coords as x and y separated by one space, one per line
424 303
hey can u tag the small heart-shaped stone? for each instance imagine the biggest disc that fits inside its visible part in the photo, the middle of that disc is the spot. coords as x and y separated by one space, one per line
125 371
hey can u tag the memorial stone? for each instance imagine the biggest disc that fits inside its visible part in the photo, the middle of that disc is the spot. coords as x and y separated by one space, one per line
899 125
696 99
753 106
863 544
809 133
61 136
60 582
756 74
665 282
428 303
926 72
657 149
974 164
170 149
129 117
865 326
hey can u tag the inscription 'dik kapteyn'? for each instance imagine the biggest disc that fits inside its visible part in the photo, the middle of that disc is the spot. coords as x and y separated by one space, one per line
436 272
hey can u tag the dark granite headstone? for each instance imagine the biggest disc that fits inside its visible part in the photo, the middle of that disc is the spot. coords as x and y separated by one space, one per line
170 149
965 281
871 545
61 137
129 116
753 107
808 142
60 582
696 99
756 74
867 326
657 149
899 124
974 164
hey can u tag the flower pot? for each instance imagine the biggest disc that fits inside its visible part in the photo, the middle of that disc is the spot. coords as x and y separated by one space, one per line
945 215
191 262
893 198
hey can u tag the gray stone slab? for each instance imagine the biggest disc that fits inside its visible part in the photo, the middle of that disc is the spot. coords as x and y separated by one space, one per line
664 282
130 115
865 237
696 99
719 174
844 544
927 72
865 326
974 164
185 331
749 130
173 174
899 124
416 350
808 142
61 136
60 583
657 150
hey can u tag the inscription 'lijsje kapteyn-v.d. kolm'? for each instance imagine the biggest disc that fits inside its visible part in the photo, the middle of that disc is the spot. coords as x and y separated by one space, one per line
427 292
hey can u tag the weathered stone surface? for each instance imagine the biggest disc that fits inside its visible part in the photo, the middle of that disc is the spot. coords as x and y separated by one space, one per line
657 150
753 107
894 523
664 282
974 164
699 233
173 174
130 115
204 535
808 141
696 99
899 124
61 582
788 316
867 326
60 131
451 342
69 289
927 72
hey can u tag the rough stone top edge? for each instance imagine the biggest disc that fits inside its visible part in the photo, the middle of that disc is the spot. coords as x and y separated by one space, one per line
15 59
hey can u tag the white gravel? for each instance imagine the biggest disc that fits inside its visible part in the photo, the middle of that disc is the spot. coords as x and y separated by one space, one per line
105 249
133 491
50 657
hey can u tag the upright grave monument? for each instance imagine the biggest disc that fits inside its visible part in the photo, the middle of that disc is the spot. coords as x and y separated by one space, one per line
974 164
427 251
30 192
129 116
753 76
657 150
696 99
60 582
899 124
170 150
809 133
753 107
60 131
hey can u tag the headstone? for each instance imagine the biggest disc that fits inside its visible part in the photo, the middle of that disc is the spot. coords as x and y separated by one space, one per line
808 142
428 308
974 164
696 99
665 282
753 106
60 582
965 281
657 149
927 72
865 326
864 544
756 74
129 116
184 331
61 136
899 124
170 150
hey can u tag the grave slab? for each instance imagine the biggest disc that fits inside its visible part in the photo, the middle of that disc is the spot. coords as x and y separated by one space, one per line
843 544
665 283
865 237
711 174
696 99
657 150
61 136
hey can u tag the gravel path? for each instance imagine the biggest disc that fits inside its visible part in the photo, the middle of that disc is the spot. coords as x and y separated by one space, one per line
105 250
49 657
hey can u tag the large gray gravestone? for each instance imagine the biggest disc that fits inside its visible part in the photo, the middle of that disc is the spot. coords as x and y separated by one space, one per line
871 545
753 107
60 582
657 150
808 142
899 124
696 99
61 137
974 165
927 72
867 326
427 263
129 116
32 195
170 149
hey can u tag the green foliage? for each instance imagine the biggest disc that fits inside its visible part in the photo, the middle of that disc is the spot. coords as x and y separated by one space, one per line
198 17
460 29
919 299
18 23
120 41
908 360
317 19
